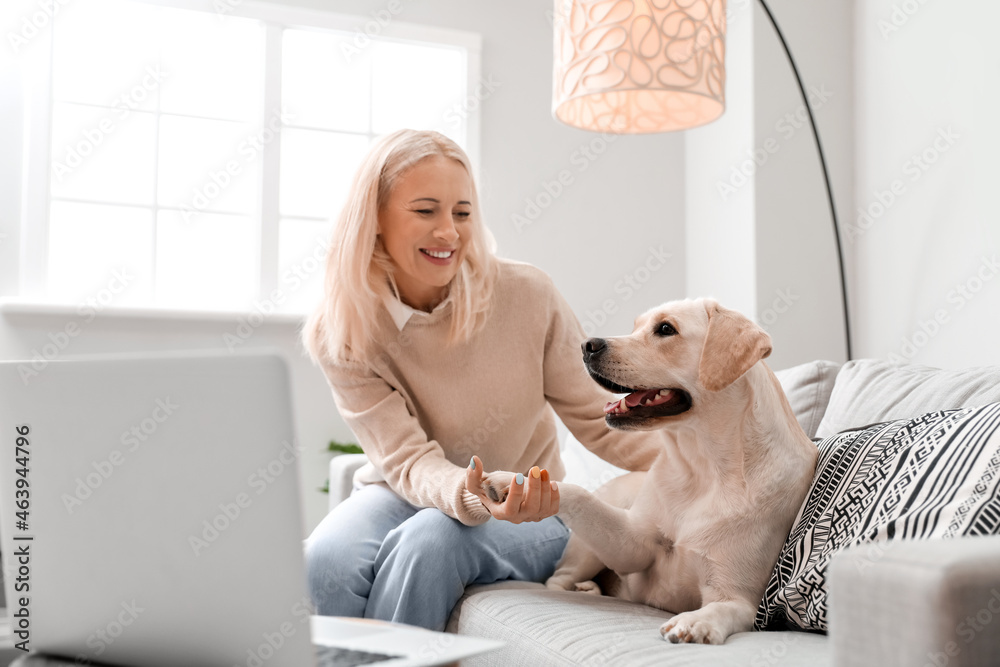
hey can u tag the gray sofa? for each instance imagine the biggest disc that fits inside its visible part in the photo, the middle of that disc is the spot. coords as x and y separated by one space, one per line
912 604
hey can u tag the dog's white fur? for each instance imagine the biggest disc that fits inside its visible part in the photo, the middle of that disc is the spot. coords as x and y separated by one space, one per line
699 534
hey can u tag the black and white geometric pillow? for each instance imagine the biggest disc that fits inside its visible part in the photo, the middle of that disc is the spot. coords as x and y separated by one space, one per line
935 476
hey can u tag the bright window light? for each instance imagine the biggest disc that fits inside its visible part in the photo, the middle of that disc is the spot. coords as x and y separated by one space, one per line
302 248
100 250
89 46
103 154
207 165
322 88
405 94
213 67
316 170
205 156
207 264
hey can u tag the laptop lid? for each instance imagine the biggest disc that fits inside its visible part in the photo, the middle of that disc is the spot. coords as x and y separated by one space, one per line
149 510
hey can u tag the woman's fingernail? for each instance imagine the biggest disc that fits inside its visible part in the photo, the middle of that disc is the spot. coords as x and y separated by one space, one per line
535 472
472 463
519 479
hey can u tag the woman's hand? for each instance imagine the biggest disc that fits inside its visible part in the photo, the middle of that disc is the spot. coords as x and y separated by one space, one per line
533 499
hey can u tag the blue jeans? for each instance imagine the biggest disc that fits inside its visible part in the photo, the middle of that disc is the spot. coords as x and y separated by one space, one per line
377 556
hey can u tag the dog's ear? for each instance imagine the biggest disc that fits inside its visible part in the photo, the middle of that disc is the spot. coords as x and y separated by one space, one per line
732 345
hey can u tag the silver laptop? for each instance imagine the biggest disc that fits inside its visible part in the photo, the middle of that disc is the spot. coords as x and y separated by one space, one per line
149 514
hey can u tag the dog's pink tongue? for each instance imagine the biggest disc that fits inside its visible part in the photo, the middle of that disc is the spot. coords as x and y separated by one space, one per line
638 397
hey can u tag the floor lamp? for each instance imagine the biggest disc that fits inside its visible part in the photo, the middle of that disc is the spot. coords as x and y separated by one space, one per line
642 66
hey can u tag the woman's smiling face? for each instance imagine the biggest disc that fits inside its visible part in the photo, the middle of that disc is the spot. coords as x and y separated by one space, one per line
424 226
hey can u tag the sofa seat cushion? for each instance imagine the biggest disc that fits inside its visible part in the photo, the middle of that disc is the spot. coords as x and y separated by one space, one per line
868 391
543 627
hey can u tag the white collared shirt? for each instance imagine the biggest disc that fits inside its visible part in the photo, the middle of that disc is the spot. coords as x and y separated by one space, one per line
401 313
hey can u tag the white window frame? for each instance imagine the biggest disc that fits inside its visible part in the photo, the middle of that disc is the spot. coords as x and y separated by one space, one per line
34 227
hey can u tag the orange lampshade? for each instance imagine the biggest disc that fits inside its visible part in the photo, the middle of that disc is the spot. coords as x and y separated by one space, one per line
639 66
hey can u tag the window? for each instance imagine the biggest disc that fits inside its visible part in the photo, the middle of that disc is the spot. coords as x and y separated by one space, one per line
197 155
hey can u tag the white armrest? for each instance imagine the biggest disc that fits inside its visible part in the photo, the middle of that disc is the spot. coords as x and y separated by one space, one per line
916 602
342 469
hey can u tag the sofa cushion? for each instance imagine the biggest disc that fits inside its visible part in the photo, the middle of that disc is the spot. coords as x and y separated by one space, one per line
935 476
543 627
869 391
808 387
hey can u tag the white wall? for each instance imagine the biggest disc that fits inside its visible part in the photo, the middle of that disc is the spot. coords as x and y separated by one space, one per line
759 232
626 197
721 262
927 105
10 173
906 103
798 287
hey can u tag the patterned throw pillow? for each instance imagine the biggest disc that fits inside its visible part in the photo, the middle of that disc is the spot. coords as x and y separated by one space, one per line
936 476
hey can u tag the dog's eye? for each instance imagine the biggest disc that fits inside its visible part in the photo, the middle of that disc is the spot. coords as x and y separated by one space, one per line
666 329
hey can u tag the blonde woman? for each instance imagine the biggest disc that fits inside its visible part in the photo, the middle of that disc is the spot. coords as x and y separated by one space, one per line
437 350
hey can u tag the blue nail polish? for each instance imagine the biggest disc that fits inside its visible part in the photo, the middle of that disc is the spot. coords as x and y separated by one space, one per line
519 479
472 463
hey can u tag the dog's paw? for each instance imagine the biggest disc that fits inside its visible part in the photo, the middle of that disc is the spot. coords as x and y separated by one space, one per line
497 485
564 583
690 629
588 587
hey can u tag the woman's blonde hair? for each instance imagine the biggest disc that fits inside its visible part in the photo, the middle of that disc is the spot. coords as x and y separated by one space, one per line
359 270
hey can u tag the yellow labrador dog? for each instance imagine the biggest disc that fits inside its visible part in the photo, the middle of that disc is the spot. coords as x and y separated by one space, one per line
699 534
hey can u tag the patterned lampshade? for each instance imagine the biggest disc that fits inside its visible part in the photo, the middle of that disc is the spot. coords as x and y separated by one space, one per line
639 66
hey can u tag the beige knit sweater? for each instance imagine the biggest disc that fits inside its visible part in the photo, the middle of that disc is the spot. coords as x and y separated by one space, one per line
421 408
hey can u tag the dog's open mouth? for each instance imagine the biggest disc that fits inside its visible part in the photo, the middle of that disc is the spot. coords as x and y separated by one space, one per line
644 402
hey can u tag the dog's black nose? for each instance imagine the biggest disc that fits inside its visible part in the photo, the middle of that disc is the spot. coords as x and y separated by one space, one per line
593 347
